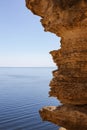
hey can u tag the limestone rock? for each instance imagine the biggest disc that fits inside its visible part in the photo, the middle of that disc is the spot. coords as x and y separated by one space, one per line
69 116
62 128
68 20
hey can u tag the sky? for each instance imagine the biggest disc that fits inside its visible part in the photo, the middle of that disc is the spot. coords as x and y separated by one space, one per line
23 42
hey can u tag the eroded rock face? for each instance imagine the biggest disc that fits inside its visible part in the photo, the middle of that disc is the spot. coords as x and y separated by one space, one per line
67 19
69 116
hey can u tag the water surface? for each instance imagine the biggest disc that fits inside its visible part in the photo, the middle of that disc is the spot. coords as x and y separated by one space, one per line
23 91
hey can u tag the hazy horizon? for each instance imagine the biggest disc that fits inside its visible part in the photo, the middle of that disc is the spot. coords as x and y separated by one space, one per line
27 66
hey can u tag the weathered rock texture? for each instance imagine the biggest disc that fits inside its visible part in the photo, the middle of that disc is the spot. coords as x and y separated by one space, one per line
68 20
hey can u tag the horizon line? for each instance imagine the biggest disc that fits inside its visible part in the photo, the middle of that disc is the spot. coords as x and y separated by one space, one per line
26 66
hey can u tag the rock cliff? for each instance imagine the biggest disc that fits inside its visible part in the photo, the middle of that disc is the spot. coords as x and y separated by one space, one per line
68 20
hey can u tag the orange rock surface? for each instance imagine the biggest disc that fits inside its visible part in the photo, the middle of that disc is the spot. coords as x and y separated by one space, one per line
68 20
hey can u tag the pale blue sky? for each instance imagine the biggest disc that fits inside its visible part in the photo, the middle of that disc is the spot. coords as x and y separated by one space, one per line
22 39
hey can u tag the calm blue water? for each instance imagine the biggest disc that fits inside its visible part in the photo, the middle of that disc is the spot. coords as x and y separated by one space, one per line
23 91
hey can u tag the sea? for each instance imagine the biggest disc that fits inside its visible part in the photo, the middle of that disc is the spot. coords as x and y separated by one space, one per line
23 91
